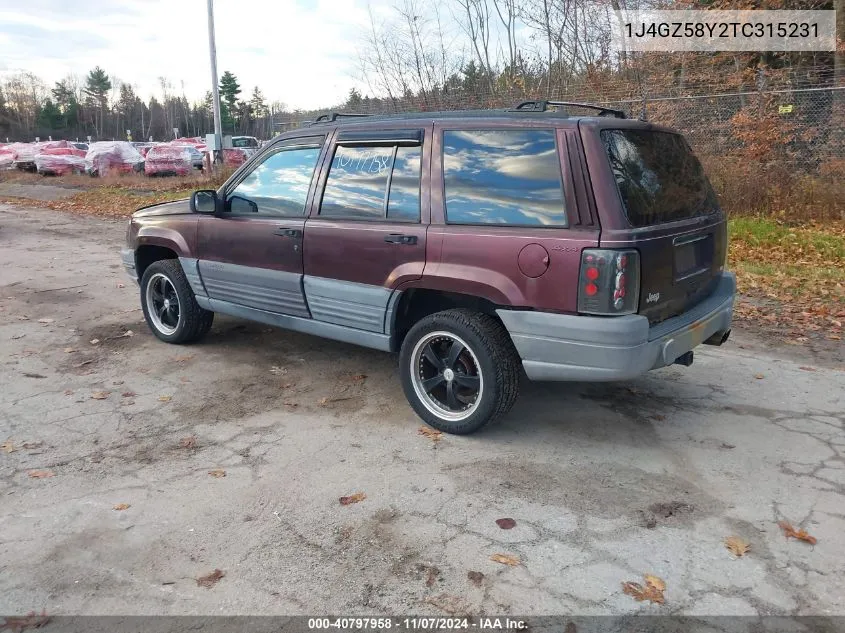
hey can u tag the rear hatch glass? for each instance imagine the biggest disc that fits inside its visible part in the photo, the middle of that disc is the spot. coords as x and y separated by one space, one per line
658 176
678 227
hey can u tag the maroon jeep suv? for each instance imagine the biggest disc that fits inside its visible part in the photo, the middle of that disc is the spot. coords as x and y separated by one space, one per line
477 244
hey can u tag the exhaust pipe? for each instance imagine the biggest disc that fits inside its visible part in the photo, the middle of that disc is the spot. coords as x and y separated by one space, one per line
719 338
684 359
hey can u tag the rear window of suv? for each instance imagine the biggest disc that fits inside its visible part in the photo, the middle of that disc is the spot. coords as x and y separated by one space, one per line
658 177
508 177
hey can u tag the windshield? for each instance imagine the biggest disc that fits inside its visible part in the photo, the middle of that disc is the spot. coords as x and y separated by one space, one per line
658 176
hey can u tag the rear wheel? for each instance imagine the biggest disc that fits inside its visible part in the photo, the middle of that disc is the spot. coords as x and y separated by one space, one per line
169 305
459 370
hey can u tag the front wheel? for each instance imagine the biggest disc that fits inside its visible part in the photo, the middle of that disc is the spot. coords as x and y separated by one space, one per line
169 305
459 370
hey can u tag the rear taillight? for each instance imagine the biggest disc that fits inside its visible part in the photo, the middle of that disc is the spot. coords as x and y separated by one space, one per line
609 282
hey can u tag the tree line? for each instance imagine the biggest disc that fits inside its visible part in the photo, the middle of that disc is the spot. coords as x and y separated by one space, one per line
105 108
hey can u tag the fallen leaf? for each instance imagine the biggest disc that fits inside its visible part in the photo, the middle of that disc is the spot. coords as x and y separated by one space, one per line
808 368
277 371
188 442
358 496
23 318
432 434
288 385
727 446
506 524
651 591
31 445
128 394
291 404
117 382
68 392
505 559
759 376
657 416
183 359
184 379
209 580
324 402
100 395
17 336
357 378
127 403
737 546
45 320
165 398
69 350
126 334
121 286
8 447
217 473
41 474
31 375
94 341
475 577
121 506
791 532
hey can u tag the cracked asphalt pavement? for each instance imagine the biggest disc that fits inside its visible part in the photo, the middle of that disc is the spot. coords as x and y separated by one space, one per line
605 482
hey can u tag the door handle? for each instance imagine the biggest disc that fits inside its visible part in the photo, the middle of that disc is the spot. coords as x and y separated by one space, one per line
286 232
398 238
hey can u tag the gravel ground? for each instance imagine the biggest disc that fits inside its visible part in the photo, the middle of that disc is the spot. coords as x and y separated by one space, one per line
605 482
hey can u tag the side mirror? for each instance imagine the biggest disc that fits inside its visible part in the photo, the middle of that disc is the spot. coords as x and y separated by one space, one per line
205 201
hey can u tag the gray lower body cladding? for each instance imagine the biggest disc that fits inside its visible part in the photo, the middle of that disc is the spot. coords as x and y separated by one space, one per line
259 288
571 347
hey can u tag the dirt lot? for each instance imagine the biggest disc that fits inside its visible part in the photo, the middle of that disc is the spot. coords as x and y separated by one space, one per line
604 482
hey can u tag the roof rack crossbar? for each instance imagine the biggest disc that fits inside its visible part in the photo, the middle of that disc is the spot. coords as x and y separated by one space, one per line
543 106
334 116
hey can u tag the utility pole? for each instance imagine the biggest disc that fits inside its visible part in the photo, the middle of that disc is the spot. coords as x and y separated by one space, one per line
215 89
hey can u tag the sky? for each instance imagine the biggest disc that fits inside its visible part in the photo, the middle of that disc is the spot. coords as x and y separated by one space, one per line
300 52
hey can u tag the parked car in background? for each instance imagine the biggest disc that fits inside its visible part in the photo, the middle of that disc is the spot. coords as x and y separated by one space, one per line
245 142
234 157
26 153
78 145
143 147
7 157
107 157
169 160
59 161
477 245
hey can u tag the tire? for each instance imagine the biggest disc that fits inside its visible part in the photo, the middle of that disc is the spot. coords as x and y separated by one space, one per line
488 355
190 322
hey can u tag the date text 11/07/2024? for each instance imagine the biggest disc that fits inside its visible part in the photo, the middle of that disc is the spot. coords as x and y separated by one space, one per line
418 624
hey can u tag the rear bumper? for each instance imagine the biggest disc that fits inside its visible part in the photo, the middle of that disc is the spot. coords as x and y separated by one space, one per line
127 256
569 347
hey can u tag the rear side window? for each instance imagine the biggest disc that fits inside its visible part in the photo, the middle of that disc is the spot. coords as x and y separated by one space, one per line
658 177
507 177
371 183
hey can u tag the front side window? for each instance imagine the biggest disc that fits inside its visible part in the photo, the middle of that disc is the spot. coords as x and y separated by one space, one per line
371 183
278 185
507 177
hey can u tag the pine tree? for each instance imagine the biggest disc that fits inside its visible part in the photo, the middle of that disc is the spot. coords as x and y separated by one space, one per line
258 105
229 91
97 86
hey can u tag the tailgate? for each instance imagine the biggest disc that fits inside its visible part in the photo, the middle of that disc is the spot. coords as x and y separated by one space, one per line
674 218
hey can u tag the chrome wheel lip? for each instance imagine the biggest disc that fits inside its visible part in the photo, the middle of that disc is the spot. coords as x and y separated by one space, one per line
152 309
430 403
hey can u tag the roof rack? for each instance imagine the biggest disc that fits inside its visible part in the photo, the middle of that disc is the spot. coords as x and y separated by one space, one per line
334 116
543 106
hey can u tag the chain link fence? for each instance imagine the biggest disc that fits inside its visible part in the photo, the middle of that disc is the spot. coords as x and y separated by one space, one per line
780 149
